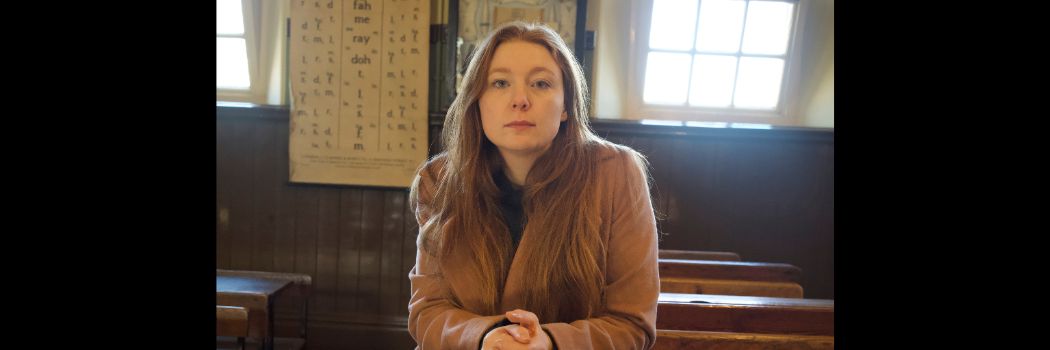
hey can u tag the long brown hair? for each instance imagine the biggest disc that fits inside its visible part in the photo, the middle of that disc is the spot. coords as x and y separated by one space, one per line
563 280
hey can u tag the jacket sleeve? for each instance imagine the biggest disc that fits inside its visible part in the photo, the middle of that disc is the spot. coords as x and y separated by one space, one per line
632 276
433 320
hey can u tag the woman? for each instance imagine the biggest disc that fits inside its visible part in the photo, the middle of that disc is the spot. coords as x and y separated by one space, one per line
534 232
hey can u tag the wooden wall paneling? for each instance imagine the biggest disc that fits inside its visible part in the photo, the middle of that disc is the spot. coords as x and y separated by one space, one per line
241 195
349 249
371 251
435 141
820 278
759 168
734 166
408 254
264 207
284 238
390 302
699 193
660 168
327 248
223 157
808 201
306 225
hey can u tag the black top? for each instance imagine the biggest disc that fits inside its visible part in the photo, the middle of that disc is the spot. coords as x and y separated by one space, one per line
510 207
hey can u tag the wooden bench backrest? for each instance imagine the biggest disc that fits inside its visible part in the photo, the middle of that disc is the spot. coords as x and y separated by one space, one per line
747 315
730 287
698 255
231 321
730 270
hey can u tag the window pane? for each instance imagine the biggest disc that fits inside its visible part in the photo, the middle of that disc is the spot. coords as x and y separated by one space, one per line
231 64
228 18
720 24
712 80
673 24
768 24
666 78
758 85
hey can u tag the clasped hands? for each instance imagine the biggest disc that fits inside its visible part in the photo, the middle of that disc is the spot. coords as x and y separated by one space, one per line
525 334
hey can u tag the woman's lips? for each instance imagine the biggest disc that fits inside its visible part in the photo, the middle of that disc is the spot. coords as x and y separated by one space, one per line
519 125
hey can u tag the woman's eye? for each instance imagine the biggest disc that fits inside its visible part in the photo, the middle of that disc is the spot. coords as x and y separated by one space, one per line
499 84
542 84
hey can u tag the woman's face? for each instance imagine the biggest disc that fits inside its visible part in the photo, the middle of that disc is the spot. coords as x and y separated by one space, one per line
523 104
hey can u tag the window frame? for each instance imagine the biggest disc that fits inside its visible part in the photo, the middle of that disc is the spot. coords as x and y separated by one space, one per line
258 80
784 114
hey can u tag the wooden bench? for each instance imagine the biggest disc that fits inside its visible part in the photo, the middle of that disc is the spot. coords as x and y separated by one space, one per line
698 255
744 314
232 321
730 278
700 340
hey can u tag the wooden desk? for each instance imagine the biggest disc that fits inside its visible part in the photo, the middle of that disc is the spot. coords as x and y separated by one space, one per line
298 294
256 295
743 314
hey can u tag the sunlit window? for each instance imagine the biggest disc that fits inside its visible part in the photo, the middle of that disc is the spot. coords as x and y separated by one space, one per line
231 51
727 54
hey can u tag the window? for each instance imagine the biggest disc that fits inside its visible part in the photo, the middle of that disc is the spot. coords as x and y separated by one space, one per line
231 49
249 51
716 60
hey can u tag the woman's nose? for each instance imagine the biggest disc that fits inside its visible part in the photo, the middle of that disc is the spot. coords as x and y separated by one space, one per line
520 100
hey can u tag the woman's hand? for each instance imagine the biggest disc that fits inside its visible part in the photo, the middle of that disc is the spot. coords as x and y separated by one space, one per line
526 334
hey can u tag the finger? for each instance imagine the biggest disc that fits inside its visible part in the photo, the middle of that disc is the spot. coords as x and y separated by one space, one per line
520 334
519 316
525 319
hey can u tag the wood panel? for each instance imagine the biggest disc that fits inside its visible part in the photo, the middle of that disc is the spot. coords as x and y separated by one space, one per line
390 302
306 223
408 254
349 249
223 174
371 252
264 205
327 250
284 240
240 208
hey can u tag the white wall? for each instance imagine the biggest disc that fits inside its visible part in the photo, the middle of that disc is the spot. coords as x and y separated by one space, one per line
612 48
817 105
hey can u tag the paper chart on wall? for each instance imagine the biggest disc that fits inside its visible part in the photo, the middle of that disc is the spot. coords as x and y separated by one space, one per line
358 72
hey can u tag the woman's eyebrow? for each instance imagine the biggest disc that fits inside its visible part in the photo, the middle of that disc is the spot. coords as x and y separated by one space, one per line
540 70
532 71
499 70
